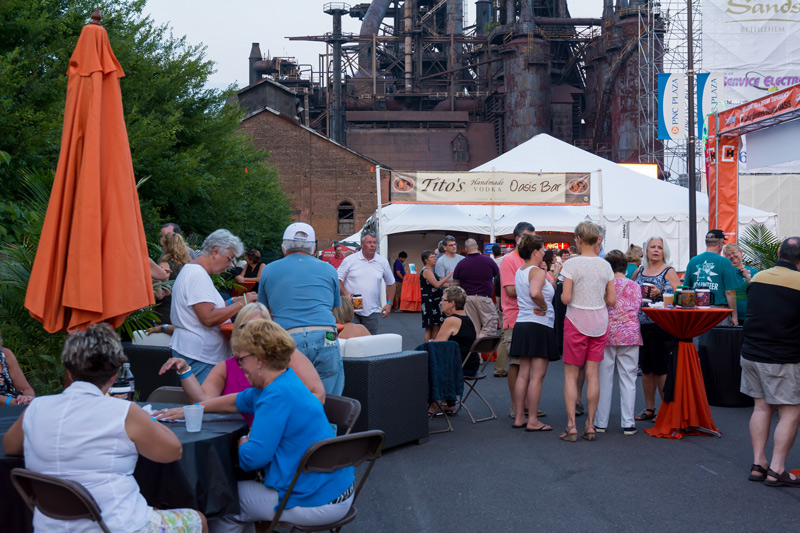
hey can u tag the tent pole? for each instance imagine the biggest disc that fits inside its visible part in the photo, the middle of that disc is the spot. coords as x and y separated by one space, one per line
381 246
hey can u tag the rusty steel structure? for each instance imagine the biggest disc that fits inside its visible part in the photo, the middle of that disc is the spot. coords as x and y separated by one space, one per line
418 87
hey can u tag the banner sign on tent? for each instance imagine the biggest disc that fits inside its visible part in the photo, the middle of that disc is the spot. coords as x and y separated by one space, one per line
769 107
709 94
755 43
672 106
527 188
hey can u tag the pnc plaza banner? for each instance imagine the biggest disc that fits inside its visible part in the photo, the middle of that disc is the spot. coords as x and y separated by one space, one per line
524 188
755 43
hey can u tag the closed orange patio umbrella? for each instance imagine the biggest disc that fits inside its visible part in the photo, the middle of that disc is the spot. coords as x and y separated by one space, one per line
91 264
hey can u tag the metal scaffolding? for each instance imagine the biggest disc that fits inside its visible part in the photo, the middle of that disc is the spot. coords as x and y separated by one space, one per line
663 48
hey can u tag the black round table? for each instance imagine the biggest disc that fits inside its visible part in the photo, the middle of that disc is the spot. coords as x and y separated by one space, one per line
204 478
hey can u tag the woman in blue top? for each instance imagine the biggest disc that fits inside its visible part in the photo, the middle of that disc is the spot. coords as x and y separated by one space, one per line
287 420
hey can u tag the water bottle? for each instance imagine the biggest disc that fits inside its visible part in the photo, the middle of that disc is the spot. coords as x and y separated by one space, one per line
668 296
124 385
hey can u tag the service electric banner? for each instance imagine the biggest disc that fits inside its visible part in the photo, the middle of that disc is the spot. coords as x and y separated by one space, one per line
755 43
527 188
672 106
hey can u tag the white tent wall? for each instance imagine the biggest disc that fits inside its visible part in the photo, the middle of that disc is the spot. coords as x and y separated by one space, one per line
776 192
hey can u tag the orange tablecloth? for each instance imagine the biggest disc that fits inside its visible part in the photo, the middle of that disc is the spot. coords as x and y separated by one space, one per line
410 296
226 329
688 413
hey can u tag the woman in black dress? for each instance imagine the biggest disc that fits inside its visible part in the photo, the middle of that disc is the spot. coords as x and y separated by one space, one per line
431 288
253 271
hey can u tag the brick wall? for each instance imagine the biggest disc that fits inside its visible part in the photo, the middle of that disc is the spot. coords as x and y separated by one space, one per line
316 174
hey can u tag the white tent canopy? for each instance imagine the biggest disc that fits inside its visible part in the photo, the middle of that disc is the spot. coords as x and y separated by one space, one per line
629 205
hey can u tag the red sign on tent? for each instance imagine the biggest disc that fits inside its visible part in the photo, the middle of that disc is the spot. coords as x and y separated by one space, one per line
329 255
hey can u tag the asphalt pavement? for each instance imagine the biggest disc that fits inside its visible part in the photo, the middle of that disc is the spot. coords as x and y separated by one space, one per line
490 477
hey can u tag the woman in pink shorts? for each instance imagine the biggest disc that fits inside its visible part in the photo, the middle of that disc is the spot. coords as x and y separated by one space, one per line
588 290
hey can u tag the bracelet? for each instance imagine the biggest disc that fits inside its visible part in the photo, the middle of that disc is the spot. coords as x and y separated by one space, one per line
390 304
188 369
163 328
230 301
185 374
245 298
8 400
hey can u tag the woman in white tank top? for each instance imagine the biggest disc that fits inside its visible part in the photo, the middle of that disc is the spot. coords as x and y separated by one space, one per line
534 339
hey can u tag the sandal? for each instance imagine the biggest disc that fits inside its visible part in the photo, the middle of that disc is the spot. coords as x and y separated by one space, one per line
589 436
543 427
781 480
569 437
647 414
762 473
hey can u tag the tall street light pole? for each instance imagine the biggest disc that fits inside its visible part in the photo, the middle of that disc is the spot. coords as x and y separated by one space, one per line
691 142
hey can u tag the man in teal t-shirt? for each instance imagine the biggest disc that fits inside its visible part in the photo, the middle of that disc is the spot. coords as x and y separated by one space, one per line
710 270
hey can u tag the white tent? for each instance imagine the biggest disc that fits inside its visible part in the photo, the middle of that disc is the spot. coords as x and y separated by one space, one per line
630 206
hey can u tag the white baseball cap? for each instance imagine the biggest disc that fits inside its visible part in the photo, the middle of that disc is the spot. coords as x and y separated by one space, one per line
299 231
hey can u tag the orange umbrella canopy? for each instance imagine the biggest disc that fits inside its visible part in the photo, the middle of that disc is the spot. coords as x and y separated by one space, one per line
91 264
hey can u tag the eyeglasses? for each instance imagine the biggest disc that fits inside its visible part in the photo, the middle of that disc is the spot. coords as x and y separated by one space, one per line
239 359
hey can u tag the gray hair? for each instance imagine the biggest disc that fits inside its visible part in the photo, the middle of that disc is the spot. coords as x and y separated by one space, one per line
368 234
93 355
291 246
471 245
645 262
223 239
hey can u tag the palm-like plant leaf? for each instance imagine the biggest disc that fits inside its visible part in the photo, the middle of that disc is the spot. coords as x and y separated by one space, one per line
759 246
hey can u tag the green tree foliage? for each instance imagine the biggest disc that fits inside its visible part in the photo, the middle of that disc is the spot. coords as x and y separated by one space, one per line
203 174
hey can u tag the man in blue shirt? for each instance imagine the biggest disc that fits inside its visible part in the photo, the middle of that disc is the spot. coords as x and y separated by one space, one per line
710 270
399 271
301 292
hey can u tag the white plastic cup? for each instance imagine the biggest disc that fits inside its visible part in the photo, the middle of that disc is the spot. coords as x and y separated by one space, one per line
194 417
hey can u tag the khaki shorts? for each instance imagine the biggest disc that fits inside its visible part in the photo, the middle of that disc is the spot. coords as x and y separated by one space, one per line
507 333
776 384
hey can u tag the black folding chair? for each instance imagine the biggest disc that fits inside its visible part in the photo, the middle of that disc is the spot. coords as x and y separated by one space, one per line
343 412
168 394
56 498
329 455
481 345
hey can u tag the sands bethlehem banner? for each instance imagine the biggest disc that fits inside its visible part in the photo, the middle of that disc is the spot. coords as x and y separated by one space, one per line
755 43
672 107
526 188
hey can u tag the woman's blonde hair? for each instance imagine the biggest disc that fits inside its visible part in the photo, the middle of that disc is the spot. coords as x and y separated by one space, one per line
175 249
634 254
589 232
267 341
664 245
251 311
344 312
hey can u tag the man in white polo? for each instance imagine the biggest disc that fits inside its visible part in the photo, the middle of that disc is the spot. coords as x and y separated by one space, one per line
361 273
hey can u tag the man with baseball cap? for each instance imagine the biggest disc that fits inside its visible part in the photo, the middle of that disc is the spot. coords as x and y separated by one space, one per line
710 270
301 292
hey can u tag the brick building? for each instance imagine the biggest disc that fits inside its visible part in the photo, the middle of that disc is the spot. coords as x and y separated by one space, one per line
329 186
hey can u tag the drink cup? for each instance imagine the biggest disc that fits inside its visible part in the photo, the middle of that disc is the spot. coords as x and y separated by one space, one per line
358 302
668 299
646 288
412 268
194 417
703 298
687 299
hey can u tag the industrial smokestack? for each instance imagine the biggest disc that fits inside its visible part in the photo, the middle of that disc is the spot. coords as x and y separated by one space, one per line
455 17
369 27
255 57
483 16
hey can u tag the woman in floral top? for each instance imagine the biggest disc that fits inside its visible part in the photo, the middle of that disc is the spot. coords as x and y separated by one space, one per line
622 348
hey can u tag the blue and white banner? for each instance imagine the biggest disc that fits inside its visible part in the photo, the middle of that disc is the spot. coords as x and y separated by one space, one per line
710 93
672 106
